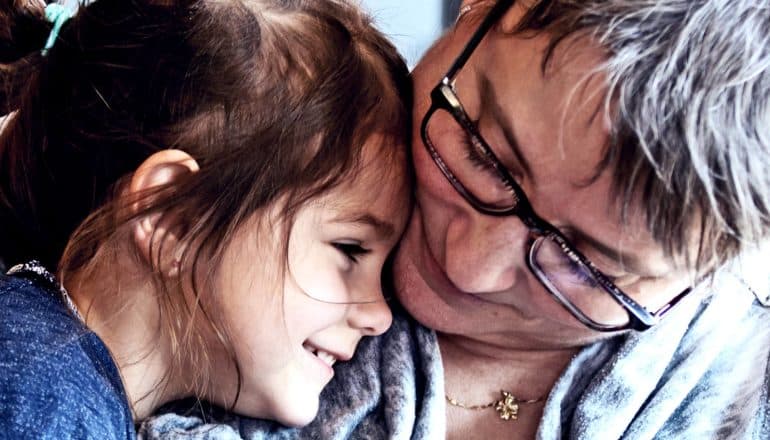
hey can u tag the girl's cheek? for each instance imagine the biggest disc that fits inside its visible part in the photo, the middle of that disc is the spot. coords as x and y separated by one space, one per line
325 283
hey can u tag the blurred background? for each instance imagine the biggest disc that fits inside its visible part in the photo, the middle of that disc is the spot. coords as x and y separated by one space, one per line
412 25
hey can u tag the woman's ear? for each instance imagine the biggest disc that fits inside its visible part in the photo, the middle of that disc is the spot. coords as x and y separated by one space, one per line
467 3
162 168
509 22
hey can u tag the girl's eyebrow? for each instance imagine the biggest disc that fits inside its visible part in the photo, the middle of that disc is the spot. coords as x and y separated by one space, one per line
383 228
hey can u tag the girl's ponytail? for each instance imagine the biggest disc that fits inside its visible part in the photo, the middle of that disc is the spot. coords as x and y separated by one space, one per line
23 30
25 183
81 114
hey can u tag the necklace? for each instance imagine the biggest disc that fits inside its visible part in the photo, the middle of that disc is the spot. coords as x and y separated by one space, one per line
35 267
507 407
71 305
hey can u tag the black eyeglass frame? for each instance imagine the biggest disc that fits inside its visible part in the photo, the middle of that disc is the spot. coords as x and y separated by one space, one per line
444 97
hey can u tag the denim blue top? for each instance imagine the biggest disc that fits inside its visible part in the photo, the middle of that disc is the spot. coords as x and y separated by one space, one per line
57 378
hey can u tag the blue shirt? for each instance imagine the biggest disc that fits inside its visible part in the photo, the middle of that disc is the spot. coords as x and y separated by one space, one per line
57 378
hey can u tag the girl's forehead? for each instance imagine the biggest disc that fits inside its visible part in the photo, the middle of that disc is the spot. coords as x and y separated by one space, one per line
380 181
382 156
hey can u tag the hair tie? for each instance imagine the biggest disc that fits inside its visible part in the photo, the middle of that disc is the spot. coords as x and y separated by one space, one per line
58 15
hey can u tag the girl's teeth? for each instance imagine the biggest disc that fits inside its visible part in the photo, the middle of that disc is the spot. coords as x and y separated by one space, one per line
326 357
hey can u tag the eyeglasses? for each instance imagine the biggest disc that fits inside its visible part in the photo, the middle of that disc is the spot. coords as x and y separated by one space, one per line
454 142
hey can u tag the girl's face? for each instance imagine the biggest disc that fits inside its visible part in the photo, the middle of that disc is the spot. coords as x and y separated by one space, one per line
290 323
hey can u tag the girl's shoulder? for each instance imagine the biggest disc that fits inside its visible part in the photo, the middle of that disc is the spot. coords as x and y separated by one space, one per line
36 318
57 378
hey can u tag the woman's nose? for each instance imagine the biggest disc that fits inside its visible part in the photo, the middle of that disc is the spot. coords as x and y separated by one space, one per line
485 254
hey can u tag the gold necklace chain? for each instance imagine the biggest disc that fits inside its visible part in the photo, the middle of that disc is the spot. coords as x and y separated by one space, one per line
507 407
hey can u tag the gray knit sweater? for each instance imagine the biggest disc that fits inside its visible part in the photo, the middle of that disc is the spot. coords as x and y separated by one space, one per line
701 374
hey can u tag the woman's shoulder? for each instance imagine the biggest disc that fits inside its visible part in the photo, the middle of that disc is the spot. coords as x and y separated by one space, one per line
703 372
56 376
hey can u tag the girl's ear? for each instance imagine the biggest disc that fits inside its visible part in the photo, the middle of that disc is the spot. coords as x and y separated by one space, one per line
162 168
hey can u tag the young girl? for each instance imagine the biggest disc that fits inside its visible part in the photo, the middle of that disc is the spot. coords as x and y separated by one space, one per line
216 182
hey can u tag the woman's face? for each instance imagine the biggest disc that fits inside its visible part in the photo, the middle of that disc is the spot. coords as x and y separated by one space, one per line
462 272
290 325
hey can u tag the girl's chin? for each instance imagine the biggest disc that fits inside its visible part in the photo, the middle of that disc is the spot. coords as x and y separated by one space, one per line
301 413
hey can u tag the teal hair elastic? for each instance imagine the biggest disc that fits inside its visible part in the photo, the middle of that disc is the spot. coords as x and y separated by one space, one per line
58 15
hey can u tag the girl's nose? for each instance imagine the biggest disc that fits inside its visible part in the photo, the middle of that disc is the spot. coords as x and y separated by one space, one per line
371 318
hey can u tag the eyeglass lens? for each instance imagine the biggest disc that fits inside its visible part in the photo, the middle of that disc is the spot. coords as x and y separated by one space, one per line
570 280
466 159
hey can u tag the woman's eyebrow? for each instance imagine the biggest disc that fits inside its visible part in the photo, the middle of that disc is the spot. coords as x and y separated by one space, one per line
383 228
633 263
489 100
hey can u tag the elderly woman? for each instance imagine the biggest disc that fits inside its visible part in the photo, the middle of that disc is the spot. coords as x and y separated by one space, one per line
593 192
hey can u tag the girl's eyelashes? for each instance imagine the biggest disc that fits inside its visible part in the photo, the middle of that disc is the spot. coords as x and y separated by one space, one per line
351 250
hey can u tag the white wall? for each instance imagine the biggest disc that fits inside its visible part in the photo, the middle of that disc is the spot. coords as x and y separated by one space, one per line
412 25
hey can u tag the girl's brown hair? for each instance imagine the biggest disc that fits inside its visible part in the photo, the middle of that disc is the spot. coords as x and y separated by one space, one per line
272 98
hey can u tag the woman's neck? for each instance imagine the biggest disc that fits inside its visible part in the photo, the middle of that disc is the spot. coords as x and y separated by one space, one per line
122 309
475 373
475 370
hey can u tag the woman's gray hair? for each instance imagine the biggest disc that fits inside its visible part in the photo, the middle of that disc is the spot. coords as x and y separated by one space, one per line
689 82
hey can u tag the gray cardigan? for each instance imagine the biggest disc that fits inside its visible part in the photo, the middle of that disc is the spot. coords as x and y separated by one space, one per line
700 374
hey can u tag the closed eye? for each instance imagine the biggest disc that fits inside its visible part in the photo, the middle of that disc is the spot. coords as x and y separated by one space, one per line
580 273
477 155
351 250
474 155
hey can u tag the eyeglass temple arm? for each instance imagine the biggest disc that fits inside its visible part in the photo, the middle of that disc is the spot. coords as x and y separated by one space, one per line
638 322
494 14
662 311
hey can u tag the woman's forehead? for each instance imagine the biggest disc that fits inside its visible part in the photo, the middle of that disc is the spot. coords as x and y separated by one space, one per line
561 120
